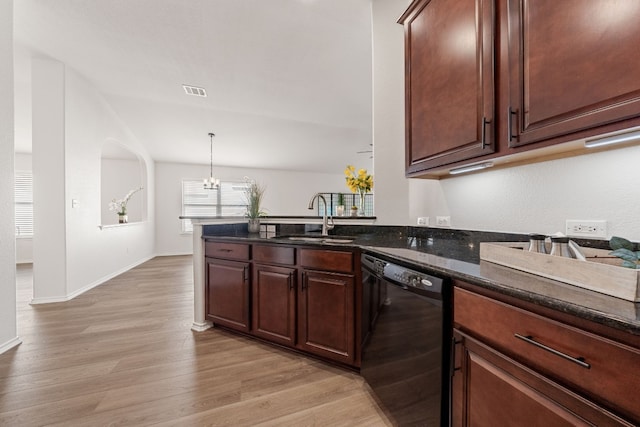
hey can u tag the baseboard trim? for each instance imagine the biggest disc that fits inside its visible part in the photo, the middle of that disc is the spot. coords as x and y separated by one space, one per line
65 298
175 253
199 327
10 344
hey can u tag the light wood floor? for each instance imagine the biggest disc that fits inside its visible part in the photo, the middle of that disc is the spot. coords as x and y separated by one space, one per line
123 354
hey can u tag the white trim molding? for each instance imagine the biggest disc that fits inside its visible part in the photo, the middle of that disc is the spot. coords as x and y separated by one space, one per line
199 327
10 344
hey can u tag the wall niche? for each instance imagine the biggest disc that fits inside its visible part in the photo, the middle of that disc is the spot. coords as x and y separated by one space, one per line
121 171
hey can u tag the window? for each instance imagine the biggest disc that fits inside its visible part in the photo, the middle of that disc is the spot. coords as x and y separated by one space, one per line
228 200
23 191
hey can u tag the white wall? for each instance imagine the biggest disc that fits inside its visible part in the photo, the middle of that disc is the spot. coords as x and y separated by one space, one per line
78 124
94 254
540 197
8 330
391 186
287 193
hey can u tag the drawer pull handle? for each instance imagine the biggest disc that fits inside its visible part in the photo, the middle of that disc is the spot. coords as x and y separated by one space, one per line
225 250
577 360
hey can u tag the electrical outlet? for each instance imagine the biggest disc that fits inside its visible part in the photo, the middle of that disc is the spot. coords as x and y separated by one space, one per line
443 221
423 220
586 228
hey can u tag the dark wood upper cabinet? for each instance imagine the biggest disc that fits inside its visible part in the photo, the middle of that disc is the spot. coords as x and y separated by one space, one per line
487 79
573 66
449 82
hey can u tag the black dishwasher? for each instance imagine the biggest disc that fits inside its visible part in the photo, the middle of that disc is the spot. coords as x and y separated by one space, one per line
406 330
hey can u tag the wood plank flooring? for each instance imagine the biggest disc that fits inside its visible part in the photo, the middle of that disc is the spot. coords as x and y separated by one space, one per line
123 354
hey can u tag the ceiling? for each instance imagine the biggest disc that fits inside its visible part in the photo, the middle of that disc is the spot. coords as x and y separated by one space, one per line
289 82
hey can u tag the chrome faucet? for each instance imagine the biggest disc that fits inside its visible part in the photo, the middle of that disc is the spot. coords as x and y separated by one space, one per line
325 222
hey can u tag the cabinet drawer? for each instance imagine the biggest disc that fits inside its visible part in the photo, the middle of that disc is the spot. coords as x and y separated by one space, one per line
226 250
274 254
604 370
327 260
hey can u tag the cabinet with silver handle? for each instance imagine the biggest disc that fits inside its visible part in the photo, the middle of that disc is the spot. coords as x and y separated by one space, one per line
579 372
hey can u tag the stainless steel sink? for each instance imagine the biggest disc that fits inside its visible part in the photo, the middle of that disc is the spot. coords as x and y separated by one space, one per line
317 239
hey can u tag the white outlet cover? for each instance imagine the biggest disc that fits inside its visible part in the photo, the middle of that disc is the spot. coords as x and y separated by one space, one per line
586 228
423 220
443 221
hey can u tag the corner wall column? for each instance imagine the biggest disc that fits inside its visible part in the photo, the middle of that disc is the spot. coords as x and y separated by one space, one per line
8 326
49 194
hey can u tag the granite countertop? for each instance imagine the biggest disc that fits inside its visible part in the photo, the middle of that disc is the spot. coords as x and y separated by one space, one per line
455 254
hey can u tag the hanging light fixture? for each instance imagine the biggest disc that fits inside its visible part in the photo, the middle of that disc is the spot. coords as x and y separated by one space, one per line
211 183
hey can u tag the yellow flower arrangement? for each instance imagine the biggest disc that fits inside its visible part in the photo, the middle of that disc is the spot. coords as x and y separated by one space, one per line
360 182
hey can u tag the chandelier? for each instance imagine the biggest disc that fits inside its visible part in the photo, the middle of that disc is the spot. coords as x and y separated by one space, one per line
211 183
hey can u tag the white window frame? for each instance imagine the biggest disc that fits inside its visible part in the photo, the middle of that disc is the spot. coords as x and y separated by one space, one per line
23 204
228 201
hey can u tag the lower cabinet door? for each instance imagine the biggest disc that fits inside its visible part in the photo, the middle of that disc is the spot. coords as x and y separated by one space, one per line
326 323
274 303
227 293
489 389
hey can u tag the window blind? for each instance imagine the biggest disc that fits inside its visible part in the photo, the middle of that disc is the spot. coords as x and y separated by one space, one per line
23 193
228 200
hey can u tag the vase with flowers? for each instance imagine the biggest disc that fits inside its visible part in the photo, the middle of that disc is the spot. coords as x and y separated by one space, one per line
254 194
120 206
359 182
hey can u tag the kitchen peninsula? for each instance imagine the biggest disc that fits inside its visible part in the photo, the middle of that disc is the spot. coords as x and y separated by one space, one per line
566 352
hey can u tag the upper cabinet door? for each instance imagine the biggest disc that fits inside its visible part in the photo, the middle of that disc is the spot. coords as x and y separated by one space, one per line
449 82
573 67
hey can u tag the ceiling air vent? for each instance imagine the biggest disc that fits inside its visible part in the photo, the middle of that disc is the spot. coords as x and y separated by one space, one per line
195 91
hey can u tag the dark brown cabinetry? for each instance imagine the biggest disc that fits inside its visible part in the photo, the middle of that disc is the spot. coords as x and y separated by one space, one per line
490 78
490 389
227 293
327 304
513 366
274 301
326 319
302 297
449 103
274 291
572 66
